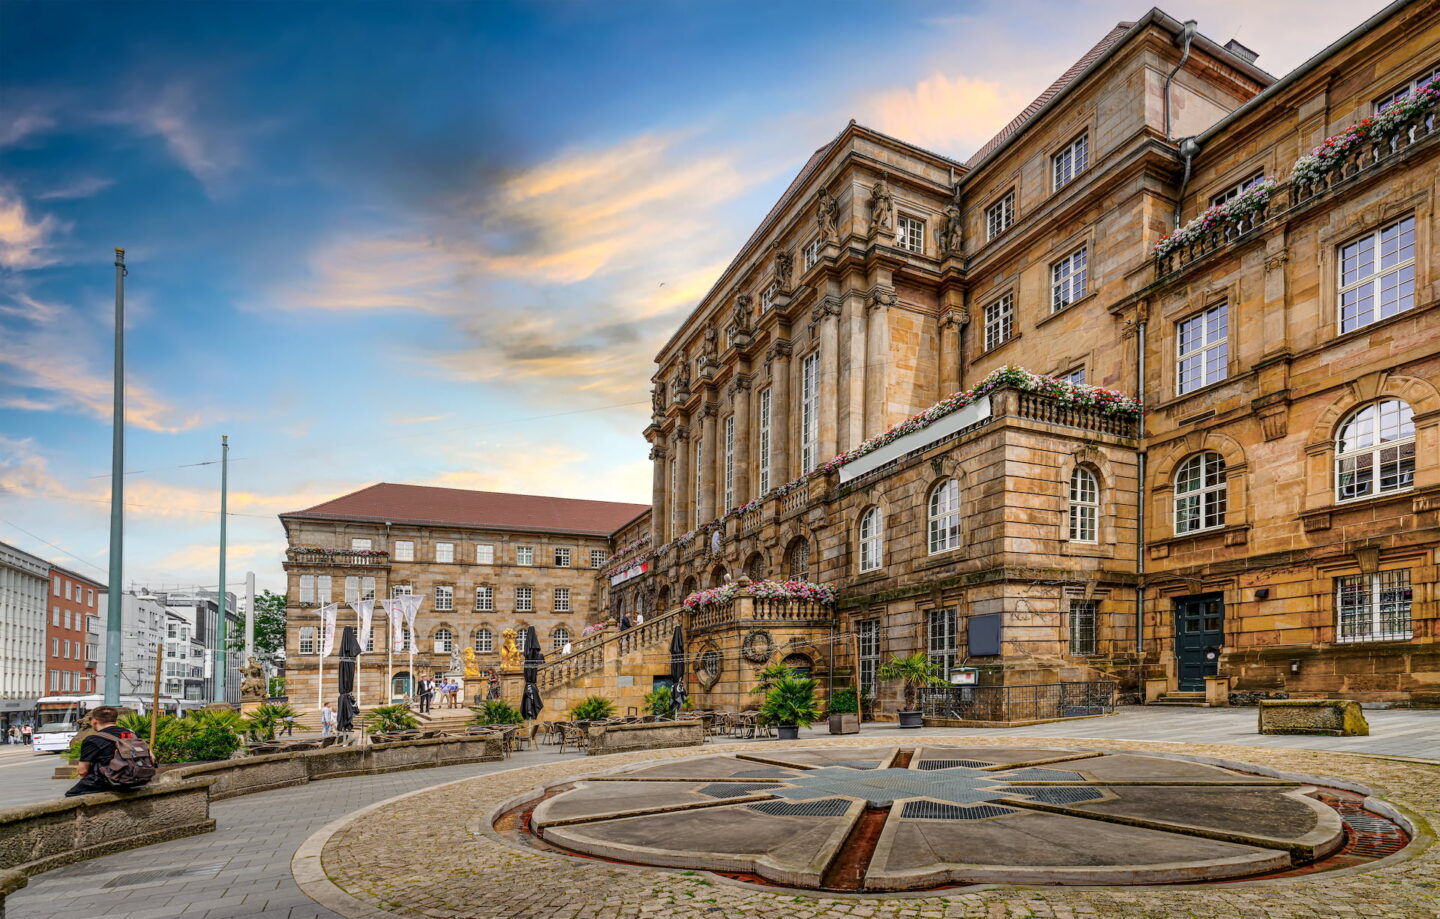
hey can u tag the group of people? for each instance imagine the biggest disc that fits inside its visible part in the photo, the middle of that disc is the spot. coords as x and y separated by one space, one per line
19 734
447 690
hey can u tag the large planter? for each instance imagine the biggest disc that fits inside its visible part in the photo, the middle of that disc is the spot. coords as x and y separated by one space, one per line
845 723
788 731
911 720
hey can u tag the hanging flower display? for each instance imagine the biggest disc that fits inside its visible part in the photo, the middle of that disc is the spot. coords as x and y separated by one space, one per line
1332 151
331 553
794 589
1242 205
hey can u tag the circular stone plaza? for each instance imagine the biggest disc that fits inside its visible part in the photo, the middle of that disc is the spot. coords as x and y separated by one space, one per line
929 823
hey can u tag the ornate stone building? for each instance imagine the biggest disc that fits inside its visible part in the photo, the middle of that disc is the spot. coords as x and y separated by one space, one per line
1268 525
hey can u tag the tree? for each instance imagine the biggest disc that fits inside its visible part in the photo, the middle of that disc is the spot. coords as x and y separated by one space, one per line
269 627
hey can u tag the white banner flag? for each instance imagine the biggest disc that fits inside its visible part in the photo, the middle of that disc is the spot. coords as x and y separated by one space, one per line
327 628
411 604
392 615
365 609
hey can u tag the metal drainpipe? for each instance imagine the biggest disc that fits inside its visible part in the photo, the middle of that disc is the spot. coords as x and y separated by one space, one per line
1187 35
1188 148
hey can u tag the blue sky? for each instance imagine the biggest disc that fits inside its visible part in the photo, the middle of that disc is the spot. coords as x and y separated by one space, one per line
426 242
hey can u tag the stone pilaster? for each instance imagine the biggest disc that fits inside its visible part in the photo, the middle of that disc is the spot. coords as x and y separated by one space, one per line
740 394
826 314
952 322
780 413
710 448
658 505
877 361
680 488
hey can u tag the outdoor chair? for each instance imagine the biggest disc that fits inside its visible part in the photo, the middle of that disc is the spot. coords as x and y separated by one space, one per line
574 735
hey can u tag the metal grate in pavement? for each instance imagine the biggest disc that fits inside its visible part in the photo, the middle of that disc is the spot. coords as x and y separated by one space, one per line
1056 794
1037 774
164 874
735 789
952 763
934 810
826 807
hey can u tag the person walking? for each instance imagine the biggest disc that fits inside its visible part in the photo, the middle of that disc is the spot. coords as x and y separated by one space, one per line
25 733
13 734
289 725
101 752
327 720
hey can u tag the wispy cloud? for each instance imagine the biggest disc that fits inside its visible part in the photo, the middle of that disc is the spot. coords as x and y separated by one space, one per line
82 187
24 240
951 114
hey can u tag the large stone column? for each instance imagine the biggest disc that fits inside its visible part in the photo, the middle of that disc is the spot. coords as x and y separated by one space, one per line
780 468
740 394
854 372
658 503
949 356
710 448
827 315
680 488
877 361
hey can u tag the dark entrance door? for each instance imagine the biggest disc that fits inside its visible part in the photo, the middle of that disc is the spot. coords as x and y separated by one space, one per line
1199 634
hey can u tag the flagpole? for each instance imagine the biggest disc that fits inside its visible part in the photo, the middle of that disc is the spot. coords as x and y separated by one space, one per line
320 671
222 637
114 615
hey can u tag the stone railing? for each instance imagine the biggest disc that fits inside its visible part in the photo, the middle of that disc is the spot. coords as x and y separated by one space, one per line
752 520
796 500
1049 411
772 610
712 616
605 645
751 609
337 559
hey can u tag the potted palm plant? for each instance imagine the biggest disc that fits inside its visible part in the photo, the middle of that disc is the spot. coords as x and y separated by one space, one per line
916 672
790 705
844 711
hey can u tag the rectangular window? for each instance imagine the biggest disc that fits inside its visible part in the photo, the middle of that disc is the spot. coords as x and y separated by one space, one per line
54 647
322 588
1373 607
812 253
1067 280
524 599
444 552
444 598
1377 275
999 216
89 598
941 628
68 587
485 555
307 588
55 617
869 655
562 558
1071 161
809 412
55 679
1076 376
360 544
57 585
910 233
764 441
367 588
597 558
404 550
307 640
1401 92
1202 349
562 599
67 619
401 590
767 296
1234 191
484 599
1082 626
352 589
999 321
524 555
699 468
729 487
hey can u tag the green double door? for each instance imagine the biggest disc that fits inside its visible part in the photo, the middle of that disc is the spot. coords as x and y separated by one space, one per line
1199 637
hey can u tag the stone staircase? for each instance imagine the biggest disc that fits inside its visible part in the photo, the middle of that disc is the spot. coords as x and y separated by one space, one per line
1186 699
618 665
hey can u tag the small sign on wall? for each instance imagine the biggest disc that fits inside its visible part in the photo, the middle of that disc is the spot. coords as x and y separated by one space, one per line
965 676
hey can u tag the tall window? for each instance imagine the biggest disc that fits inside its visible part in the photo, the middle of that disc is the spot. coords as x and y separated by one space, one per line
352 589
520 636
809 412
1067 280
1071 161
524 599
484 599
1202 349
484 641
945 516
597 558
444 552
1234 191
869 655
559 638
872 539
485 555
444 598
367 588
800 561
729 489
999 321
764 441
1200 493
999 216
361 544
307 639
1082 626
1084 505
699 470
322 588
1373 607
524 555
404 550
940 625
910 233
444 641
562 558
562 599
1375 451
1377 275
767 296
812 253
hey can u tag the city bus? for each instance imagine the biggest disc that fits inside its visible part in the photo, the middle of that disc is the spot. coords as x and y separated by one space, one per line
62 716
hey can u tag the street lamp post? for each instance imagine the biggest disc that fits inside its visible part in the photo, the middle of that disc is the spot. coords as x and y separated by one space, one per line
113 616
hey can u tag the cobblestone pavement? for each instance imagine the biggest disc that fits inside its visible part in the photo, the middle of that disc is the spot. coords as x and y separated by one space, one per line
383 862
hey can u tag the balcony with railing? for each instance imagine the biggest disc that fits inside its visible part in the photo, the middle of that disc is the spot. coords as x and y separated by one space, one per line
746 610
590 653
344 558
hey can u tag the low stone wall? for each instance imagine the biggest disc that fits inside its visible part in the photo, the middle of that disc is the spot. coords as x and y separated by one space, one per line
1326 717
38 837
623 738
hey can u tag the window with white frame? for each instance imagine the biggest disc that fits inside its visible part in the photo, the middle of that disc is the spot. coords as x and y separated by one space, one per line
944 516
1071 161
1375 451
524 599
559 638
562 558
811 253
401 590
484 599
809 412
361 544
872 539
1084 505
1202 349
1076 376
764 412
352 589
404 550
524 555
869 630
444 552
484 641
728 489
1373 607
999 216
1067 280
367 588
562 599
444 641
485 555
1082 626
999 321
1377 275
520 637
910 233
1235 190
597 558
940 629
322 588
444 598
767 296
699 475
1400 92
307 639
1200 494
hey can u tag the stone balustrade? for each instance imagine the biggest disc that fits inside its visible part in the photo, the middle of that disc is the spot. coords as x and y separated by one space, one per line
338 559
606 645
1044 409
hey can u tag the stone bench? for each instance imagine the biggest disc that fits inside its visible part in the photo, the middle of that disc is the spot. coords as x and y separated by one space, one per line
1326 717
660 735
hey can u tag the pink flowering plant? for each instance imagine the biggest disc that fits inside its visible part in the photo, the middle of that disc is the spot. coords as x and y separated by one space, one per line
793 589
330 553
1397 118
1242 205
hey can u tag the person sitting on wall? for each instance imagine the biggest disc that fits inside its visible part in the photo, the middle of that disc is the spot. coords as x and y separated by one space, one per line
107 764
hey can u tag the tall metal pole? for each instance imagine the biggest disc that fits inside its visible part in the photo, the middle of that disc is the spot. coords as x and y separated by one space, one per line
221 630
250 614
113 616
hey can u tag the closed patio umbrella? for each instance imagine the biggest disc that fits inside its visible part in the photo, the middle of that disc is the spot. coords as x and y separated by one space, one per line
677 669
530 703
345 709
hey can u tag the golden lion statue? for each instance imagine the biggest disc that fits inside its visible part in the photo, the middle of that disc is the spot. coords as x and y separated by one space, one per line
510 652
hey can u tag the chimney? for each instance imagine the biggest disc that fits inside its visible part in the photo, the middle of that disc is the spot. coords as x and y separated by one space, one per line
1240 51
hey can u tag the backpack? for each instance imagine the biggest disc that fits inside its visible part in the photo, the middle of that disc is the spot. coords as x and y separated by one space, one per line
131 765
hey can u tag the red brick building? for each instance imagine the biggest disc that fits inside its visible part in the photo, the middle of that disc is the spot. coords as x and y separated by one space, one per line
72 632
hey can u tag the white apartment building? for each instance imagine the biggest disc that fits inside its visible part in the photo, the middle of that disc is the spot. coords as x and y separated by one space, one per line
142 626
24 582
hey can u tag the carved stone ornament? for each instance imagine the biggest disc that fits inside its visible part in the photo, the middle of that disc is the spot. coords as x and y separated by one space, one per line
711 348
757 647
740 313
958 318
657 452
951 235
1273 421
827 216
784 265
881 298
657 397
682 377
882 209
709 664
1277 260
830 306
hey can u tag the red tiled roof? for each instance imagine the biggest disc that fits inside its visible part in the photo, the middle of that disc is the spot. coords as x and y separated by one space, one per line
425 504
1065 79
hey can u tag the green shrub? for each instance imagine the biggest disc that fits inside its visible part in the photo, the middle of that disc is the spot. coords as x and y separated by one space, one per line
276 687
72 754
660 701
210 741
916 672
385 718
592 708
843 702
790 701
267 720
769 674
496 711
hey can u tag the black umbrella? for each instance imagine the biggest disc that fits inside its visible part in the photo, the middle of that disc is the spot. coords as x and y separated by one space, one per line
530 704
677 669
347 710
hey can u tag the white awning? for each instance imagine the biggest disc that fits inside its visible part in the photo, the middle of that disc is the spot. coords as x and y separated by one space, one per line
976 411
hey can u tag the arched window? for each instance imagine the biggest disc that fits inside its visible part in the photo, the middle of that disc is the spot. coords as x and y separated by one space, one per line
717 577
1084 505
1200 493
755 568
484 641
444 641
1375 451
945 516
307 639
872 539
800 560
559 638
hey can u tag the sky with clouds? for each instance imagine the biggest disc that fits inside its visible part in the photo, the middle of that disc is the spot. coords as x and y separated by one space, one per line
428 242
